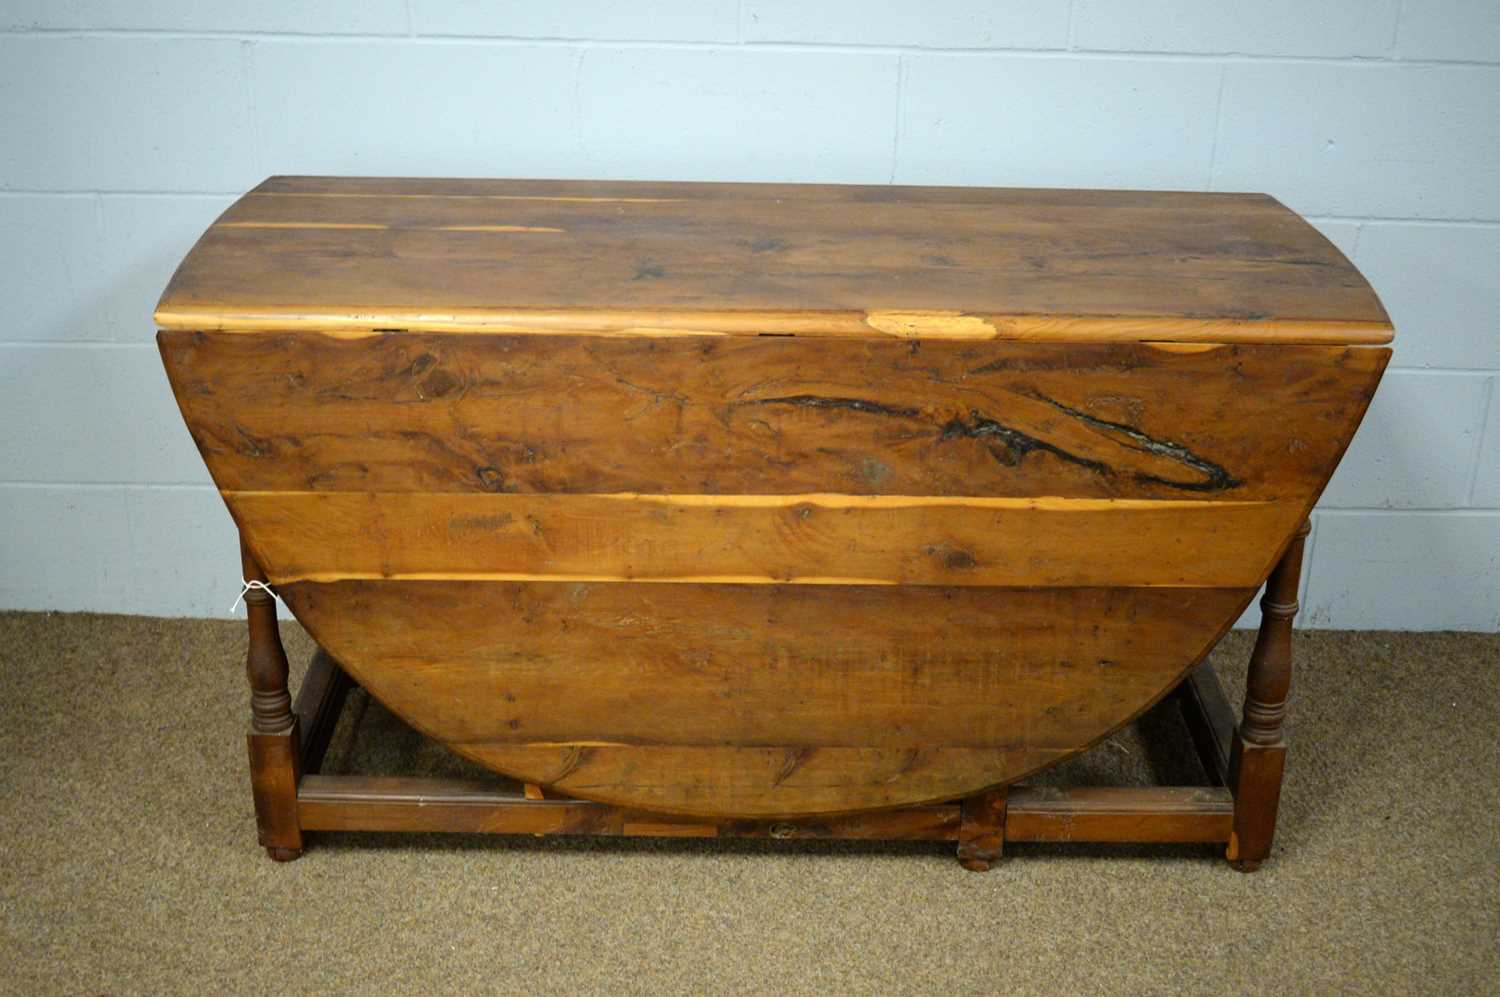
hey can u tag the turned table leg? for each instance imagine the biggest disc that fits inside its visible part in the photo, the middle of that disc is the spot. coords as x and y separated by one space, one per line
1257 753
275 756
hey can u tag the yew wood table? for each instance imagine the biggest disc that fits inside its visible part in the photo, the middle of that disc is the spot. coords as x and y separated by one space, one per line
797 511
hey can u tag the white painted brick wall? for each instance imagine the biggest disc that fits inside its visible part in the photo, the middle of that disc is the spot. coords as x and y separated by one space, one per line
70 547
179 527
1460 30
1486 493
956 127
965 24
141 112
1417 447
50 259
1439 283
144 237
581 20
1363 138
324 17
414 107
1426 571
126 127
1272 27
755 115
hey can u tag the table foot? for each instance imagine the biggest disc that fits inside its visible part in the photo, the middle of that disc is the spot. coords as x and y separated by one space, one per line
981 831
973 864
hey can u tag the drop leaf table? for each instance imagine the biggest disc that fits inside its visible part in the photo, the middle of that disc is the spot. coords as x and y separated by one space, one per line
789 511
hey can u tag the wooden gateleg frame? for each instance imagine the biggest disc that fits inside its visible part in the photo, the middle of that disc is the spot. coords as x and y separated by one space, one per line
1244 762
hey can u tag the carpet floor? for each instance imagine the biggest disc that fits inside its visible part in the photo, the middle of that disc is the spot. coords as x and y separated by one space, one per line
130 864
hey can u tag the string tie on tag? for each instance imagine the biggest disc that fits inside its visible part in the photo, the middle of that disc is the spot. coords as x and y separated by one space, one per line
248 585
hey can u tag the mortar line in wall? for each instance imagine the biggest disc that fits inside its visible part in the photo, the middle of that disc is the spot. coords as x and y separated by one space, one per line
1484 424
1453 371
101 192
50 193
247 68
109 311
1464 513
1039 52
1359 232
577 104
1399 220
75 344
1213 146
1396 31
169 192
1068 37
896 130
124 500
1310 558
411 21
160 486
789 46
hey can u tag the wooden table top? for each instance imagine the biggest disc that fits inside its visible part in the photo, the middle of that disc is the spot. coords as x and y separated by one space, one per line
364 255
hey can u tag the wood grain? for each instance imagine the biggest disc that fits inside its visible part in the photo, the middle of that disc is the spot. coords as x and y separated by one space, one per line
769 699
779 665
763 782
410 462
1119 814
444 412
819 540
739 259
